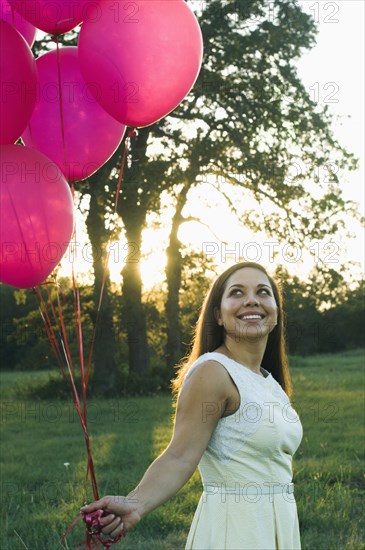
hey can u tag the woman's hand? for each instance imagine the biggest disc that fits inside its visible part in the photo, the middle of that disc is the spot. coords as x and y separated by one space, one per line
120 514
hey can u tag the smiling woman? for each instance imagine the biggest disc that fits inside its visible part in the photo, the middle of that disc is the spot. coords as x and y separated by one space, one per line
234 420
243 290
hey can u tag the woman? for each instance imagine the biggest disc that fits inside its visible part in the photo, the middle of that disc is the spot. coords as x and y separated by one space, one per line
234 420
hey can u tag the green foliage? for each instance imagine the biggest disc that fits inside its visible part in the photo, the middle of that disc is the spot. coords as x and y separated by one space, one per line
198 271
25 344
324 314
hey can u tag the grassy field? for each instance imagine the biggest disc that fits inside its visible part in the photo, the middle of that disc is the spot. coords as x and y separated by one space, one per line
43 460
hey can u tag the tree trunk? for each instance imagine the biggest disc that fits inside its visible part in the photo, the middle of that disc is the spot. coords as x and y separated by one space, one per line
133 207
133 311
174 269
104 374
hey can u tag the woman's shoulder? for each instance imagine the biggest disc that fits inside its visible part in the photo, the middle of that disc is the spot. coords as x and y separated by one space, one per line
209 377
223 360
219 364
210 367
207 364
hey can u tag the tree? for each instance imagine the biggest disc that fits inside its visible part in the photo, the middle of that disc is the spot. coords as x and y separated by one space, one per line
248 124
104 376
324 313
254 127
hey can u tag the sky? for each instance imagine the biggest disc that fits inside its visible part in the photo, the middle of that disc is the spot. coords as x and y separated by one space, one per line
333 72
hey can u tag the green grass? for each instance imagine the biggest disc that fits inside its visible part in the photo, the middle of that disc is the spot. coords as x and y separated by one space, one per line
41 496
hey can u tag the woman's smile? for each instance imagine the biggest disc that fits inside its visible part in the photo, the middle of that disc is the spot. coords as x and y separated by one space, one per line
251 316
247 301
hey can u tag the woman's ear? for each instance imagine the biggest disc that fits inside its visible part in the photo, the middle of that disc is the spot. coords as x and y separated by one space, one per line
217 315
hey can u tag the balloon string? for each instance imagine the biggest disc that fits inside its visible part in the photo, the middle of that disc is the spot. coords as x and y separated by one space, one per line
82 412
93 533
80 408
20 228
30 134
48 327
131 134
60 96
78 318
77 403
78 327
65 347
50 301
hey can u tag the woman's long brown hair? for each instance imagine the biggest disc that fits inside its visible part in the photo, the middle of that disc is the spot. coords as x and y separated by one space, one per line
209 335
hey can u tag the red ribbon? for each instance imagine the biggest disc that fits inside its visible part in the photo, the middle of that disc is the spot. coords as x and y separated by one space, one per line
92 521
93 530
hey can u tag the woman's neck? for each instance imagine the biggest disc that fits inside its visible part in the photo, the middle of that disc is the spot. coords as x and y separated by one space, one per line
249 354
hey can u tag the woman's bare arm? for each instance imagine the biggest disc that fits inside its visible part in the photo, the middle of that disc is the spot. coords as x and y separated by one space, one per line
200 405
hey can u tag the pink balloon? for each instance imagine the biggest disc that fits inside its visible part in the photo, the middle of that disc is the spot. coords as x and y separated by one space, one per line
26 29
36 216
55 16
91 135
18 80
143 56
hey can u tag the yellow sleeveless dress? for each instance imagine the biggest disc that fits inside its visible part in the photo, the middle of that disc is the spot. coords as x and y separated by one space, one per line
247 501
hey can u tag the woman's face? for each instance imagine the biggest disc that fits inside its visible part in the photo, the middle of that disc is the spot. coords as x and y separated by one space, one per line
248 309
